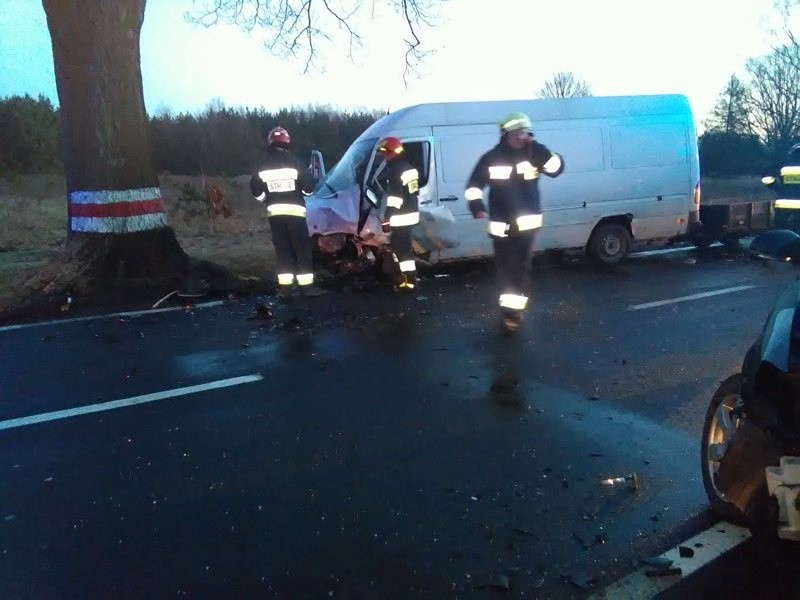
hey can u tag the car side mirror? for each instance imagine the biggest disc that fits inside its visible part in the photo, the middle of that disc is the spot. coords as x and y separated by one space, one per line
781 245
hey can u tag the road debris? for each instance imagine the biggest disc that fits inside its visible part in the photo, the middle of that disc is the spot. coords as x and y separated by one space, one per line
263 311
165 298
631 480
685 552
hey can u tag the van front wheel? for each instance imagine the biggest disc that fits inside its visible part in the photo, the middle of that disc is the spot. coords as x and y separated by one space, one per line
609 244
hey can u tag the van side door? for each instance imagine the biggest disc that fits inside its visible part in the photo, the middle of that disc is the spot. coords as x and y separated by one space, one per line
458 149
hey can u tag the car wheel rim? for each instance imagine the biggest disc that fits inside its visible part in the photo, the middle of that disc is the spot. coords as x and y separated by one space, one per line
724 424
611 245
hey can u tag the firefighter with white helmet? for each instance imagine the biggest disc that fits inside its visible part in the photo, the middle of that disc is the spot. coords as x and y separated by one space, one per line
511 172
401 182
282 183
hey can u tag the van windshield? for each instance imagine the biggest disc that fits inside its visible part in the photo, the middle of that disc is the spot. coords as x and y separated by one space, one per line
349 171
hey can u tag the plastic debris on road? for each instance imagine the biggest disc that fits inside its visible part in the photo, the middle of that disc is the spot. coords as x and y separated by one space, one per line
632 481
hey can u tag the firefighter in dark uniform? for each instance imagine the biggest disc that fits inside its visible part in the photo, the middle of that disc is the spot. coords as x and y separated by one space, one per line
282 183
511 171
786 183
401 182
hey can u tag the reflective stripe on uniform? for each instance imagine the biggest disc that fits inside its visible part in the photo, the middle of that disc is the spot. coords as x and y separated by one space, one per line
394 201
408 176
500 172
404 220
498 228
526 222
527 170
285 278
473 193
513 301
768 180
553 164
279 180
291 210
277 174
261 197
406 266
790 174
305 279
787 203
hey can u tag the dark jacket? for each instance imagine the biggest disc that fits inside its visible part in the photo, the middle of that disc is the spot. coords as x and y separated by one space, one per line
282 179
401 182
513 179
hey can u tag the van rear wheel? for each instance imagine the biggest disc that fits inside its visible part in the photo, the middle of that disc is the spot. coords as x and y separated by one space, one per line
609 244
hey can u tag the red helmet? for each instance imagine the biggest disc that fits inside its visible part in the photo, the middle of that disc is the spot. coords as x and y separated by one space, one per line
278 136
390 147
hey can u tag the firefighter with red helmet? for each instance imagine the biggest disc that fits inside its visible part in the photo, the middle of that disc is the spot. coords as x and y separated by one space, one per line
511 172
401 182
282 183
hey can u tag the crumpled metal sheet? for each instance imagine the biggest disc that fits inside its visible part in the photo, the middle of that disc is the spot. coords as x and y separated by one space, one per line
336 216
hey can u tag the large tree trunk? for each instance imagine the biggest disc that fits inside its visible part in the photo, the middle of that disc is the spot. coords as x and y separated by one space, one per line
117 224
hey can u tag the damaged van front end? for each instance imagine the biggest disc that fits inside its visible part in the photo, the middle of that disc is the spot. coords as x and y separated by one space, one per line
344 215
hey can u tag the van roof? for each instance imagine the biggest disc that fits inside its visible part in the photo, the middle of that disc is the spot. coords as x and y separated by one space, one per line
548 109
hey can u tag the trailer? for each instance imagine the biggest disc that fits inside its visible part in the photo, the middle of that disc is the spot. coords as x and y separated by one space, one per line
723 219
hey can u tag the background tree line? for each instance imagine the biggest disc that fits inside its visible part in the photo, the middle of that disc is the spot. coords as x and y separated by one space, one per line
751 128
756 119
218 141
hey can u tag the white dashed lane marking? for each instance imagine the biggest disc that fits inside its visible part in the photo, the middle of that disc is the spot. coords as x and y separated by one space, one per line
133 401
656 304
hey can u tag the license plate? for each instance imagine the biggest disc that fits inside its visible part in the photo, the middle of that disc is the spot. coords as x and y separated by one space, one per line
282 185
791 179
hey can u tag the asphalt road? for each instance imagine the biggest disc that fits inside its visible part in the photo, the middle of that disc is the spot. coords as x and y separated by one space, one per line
376 446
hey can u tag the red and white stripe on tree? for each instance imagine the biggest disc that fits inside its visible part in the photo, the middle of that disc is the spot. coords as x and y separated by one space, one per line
117 211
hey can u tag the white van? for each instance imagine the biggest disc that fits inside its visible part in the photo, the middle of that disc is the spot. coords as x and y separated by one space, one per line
631 173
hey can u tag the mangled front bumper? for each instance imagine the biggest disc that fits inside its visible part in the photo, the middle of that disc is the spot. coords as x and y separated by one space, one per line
343 228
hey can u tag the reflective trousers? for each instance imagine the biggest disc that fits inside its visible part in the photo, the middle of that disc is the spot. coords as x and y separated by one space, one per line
403 249
512 259
292 250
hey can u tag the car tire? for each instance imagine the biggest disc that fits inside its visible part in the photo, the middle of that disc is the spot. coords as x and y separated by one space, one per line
725 397
609 244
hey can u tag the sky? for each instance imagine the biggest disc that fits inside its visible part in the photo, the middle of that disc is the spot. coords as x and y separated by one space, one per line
503 49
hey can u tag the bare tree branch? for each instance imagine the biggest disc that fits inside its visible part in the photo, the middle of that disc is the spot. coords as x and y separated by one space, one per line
305 26
775 98
564 85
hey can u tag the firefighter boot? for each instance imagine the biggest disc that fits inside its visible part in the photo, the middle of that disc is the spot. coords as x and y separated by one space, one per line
406 283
